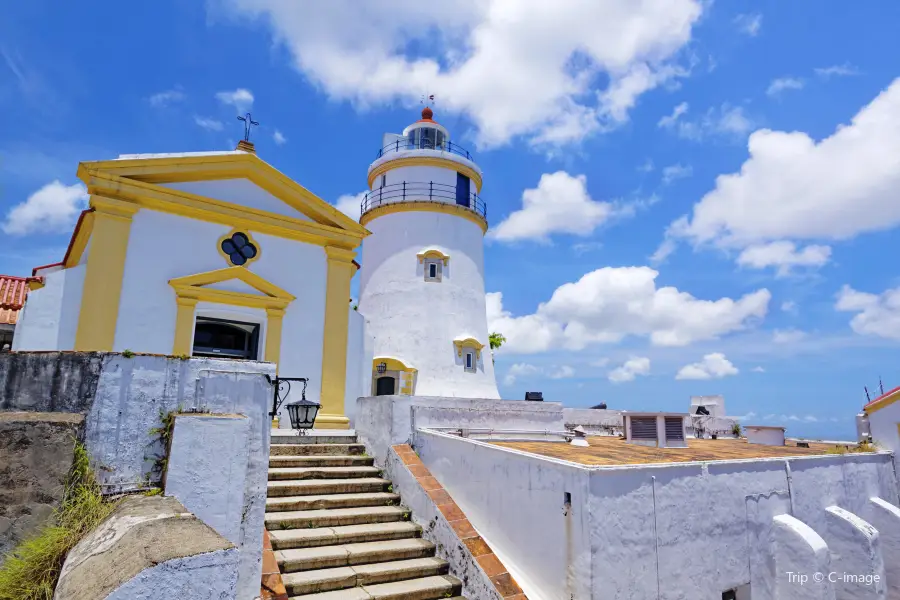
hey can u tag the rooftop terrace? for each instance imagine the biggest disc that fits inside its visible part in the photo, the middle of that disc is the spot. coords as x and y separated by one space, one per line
609 450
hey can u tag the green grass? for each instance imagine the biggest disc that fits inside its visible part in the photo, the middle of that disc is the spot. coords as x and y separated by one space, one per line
860 448
32 569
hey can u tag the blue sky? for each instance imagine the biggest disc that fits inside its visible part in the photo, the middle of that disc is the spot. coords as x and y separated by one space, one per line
673 208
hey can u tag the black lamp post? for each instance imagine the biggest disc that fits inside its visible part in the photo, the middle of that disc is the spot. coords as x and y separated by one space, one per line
381 368
303 412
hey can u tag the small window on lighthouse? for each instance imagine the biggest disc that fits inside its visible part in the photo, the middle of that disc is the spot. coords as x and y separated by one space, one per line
470 361
433 269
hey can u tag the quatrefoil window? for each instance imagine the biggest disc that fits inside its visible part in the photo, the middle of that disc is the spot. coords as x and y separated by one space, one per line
239 249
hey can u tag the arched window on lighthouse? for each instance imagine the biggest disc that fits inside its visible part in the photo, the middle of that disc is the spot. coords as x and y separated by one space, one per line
433 270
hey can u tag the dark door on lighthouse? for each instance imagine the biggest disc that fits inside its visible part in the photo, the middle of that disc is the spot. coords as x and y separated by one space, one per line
384 386
462 190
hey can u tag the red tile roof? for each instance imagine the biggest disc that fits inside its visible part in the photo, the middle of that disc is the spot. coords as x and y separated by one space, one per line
12 297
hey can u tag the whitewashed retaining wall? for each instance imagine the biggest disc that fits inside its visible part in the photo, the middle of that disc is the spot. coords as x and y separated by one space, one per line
635 532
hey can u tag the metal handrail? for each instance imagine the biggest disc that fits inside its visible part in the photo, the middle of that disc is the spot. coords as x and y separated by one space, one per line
422 191
402 144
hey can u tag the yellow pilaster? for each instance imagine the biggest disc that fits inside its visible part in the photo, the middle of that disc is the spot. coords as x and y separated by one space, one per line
103 276
334 343
184 326
275 317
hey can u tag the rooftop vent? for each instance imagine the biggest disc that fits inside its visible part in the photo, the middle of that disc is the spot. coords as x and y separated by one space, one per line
764 435
534 396
662 430
601 406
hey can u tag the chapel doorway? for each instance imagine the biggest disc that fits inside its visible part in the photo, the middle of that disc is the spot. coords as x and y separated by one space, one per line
385 386
221 338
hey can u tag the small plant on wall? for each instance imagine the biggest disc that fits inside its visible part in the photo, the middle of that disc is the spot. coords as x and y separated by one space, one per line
496 340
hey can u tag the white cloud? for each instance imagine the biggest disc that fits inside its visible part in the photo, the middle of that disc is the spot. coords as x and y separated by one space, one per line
713 366
784 83
163 99
563 372
559 204
788 336
350 204
794 188
670 120
241 99
724 121
647 167
483 57
677 171
520 370
749 24
630 369
209 124
784 255
600 362
52 209
844 70
878 314
789 306
611 303
758 370
279 138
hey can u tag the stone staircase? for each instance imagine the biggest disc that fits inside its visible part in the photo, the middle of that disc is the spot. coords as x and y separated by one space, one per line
338 530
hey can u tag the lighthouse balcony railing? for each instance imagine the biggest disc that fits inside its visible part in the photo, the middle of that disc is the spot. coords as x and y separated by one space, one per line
423 191
406 143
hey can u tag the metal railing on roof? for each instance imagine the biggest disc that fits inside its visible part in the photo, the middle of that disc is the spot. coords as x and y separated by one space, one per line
404 144
423 191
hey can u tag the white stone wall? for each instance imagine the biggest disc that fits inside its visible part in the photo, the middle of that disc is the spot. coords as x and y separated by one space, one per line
417 321
671 531
131 396
50 316
359 363
884 426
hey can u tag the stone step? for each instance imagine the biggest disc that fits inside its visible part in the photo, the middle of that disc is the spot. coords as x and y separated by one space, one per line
336 516
297 473
308 487
279 449
425 588
316 502
344 555
320 460
346 534
324 580
288 436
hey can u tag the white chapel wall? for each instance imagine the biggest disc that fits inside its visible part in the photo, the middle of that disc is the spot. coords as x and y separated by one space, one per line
50 316
163 246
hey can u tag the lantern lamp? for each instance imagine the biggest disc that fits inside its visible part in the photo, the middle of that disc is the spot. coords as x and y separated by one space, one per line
381 368
303 414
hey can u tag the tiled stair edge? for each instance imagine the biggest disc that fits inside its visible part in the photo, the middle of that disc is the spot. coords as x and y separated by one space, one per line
484 577
272 587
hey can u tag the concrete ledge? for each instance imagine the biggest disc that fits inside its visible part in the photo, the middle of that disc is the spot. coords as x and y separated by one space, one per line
150 533
471 560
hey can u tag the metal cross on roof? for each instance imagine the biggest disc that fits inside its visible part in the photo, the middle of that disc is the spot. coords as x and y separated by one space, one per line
248 123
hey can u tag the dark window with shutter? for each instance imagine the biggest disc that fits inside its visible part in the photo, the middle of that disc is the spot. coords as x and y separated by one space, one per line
675 428
643 428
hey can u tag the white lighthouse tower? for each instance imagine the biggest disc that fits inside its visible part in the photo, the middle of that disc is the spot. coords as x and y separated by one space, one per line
422 279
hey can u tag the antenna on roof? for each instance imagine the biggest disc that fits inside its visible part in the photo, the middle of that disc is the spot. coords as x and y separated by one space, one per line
881 385
867 394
